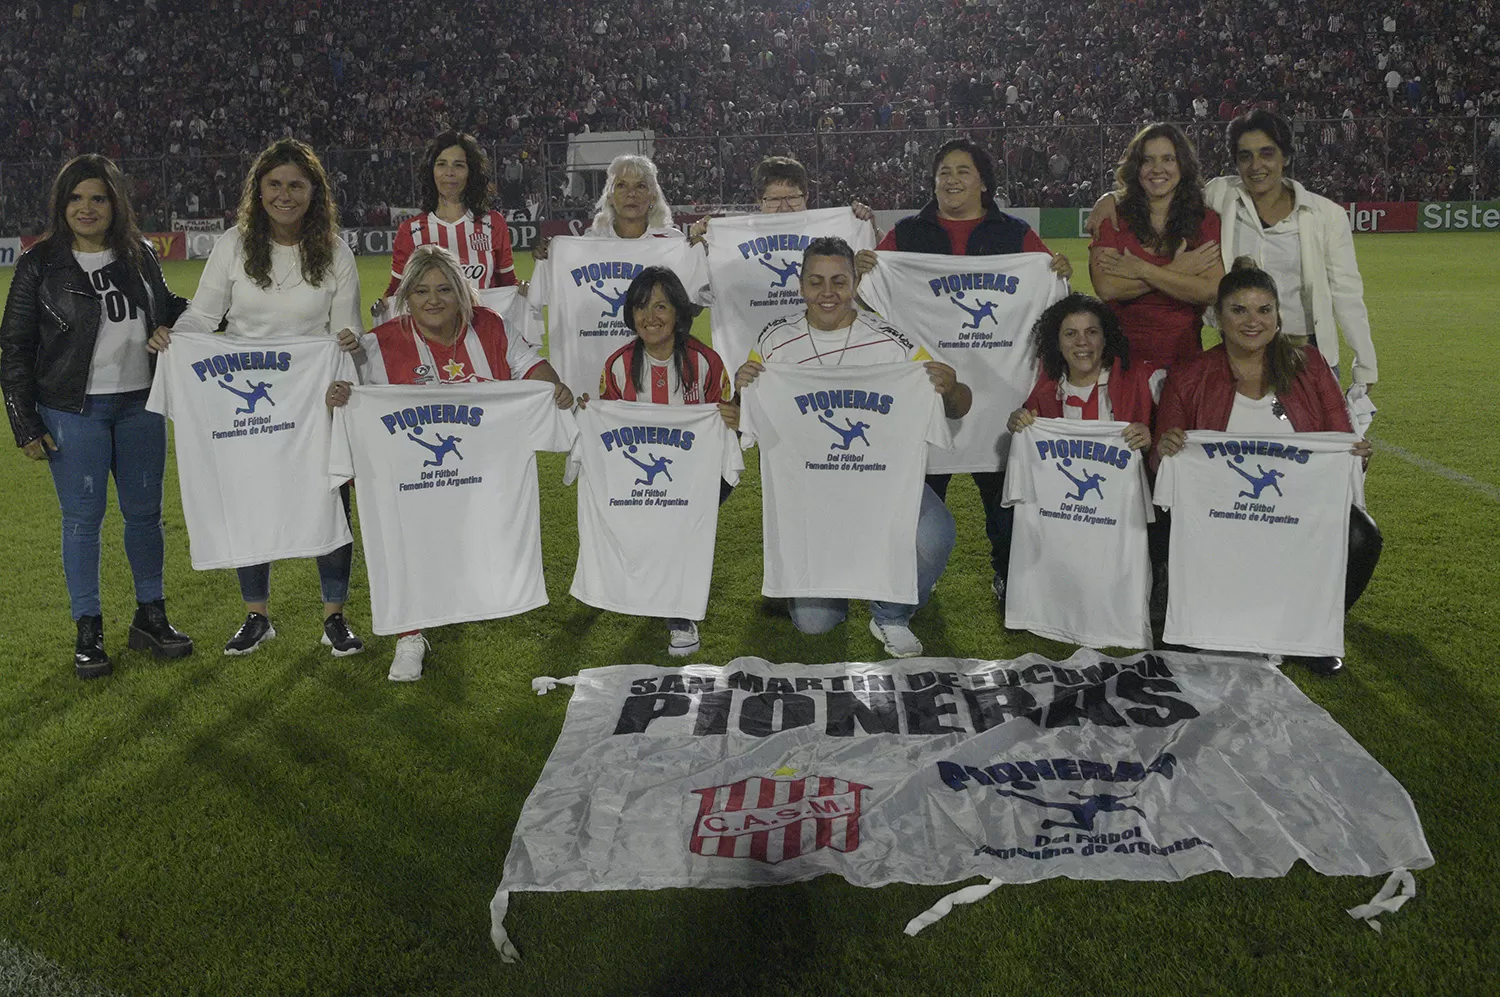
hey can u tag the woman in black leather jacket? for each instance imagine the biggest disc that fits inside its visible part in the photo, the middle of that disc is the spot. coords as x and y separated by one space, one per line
76 373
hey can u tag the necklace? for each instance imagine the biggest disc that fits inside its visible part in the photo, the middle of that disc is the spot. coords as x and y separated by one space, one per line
842 349
294 271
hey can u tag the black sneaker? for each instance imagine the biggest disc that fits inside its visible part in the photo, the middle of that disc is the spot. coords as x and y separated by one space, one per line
151 630
337 635
252 633
89 659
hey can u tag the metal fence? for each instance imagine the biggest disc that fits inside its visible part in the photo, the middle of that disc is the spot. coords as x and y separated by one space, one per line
1369 159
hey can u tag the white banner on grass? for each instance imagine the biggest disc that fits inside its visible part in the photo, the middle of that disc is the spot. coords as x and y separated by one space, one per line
938 770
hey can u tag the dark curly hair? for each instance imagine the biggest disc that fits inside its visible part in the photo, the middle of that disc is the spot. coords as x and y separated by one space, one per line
476 192
1045 333
320 226
636 296
1185 216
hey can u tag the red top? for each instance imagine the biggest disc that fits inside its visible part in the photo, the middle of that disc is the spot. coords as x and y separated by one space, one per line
1199 394
959 231
710 381
1129 394
483 352
1162 330
483 248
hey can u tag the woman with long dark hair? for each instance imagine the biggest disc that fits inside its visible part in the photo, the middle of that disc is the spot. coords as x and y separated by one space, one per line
282 271
456 215
76 374
1158 265
1263 380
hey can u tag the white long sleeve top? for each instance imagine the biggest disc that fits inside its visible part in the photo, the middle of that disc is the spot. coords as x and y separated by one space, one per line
289 307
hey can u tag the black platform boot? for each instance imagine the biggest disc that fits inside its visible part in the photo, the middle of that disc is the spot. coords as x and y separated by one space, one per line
152 630
89 659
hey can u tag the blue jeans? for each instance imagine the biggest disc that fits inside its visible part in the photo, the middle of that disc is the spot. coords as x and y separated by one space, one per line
333 571
935 537
998 517
113 434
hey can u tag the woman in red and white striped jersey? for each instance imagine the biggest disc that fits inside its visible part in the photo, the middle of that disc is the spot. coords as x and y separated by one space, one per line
456 215
664 364
441 335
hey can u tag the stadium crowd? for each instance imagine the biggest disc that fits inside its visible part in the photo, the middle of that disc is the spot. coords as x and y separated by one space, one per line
1392 99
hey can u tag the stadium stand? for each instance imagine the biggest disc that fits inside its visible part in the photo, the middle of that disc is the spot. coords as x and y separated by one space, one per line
1396 100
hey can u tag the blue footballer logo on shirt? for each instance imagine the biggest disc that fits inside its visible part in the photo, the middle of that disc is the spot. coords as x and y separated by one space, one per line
788 270
440 446
1090 482
251 395
978 313
847 433
614 298
617 274
657 465
1259 481
223 367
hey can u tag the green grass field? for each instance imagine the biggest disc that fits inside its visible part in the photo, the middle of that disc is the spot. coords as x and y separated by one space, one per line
289 823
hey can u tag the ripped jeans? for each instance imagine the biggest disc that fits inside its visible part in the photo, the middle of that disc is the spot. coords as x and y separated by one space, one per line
114 434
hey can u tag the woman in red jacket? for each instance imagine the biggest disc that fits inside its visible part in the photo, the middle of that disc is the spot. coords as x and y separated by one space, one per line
1080 348
1260 380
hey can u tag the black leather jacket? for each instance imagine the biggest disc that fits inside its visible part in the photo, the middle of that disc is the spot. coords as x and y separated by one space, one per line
52 322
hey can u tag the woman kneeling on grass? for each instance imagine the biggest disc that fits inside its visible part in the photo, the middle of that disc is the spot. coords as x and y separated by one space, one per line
667 366
441 331
1260 379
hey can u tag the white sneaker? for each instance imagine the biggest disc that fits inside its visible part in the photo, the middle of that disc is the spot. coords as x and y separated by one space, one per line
406 665
898 639
682 638
998 587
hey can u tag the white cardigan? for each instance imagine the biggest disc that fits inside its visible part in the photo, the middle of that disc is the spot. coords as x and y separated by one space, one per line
296 309
1332 290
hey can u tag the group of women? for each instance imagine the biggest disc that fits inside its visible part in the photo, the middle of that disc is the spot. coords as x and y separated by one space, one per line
89 310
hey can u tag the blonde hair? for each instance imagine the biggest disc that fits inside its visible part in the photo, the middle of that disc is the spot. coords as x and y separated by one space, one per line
604 208
433 257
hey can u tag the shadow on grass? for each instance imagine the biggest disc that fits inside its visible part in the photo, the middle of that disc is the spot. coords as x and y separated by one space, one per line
1431 683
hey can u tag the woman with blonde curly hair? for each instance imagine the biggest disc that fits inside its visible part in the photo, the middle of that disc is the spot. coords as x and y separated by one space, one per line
631 206
282 271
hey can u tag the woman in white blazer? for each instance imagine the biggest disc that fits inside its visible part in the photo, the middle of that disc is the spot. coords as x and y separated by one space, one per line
1300 238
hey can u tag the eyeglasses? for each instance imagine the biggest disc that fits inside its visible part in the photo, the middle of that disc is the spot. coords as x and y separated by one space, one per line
789 201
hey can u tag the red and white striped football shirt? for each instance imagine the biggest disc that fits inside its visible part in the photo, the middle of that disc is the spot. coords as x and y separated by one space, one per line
482 248
660 384
396 353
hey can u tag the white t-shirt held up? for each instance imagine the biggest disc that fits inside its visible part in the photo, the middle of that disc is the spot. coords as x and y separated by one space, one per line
1260 540
252 433
843 456
648 505
1079 571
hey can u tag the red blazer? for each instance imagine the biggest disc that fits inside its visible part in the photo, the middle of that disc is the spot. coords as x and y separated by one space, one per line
1199 394
1129 394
